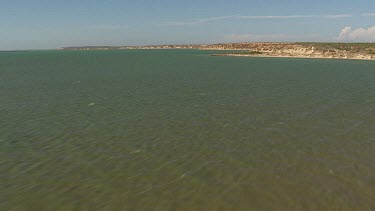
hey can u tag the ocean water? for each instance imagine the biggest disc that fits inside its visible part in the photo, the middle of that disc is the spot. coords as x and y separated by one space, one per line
181 130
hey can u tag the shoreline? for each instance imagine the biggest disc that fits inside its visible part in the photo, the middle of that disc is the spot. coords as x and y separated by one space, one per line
342 51
293 57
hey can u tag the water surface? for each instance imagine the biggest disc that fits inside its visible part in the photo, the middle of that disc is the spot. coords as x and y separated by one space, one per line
181 130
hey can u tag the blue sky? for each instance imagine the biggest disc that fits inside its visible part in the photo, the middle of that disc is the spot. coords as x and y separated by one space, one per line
45 24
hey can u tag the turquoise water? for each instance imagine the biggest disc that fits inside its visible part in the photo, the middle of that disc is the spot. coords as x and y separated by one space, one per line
181 130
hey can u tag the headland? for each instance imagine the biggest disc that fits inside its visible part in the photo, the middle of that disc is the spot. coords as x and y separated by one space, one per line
359 51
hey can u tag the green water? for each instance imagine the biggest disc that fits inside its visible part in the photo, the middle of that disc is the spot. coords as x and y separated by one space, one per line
181 130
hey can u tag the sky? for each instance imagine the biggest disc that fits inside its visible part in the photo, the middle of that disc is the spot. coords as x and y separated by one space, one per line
50 24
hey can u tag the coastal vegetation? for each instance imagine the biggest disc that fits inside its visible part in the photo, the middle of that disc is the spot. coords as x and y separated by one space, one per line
340 46
249 53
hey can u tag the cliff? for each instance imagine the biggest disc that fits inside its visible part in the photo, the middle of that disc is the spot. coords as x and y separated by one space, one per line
364 51
270 49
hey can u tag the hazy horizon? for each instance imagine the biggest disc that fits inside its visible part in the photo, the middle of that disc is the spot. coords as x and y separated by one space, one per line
93 46
50 24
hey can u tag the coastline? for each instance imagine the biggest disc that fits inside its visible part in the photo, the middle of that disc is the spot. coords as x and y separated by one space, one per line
347 51
291 56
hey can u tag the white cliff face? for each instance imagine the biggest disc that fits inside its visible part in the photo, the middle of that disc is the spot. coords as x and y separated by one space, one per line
296 51
301 51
